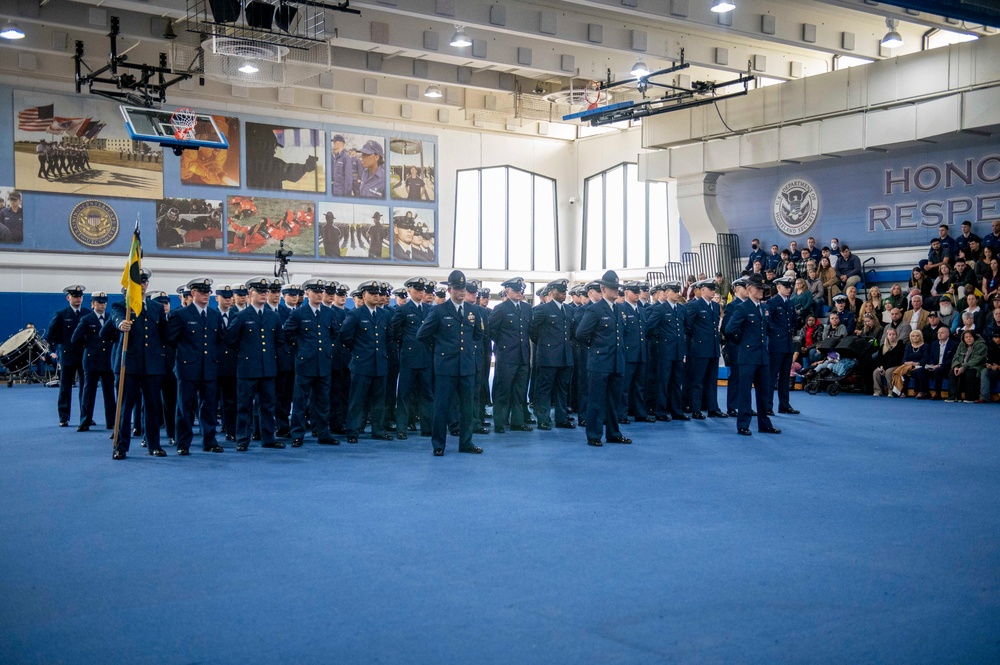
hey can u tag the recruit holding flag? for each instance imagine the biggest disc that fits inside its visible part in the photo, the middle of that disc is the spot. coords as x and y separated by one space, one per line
132 276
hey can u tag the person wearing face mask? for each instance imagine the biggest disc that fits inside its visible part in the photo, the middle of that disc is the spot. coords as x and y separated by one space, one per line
756 254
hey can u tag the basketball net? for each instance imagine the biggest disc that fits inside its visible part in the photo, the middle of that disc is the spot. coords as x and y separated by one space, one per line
183 121
592 95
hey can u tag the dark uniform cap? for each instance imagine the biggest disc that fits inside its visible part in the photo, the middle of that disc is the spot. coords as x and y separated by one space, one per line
258 284
225 290
456 279
331 286
755 280
705 283
203 284
517 284
644 286
292 290
158 296
610 280
317 285
402 222
430 285
673 285
386 288
785 281
338 137
98 296
441 290
75 290
240 290
544 291
371 286
484 293
275 285
183 290
145 274
356 293
472 286
656 288
593 286
558 285
342 289
634 287
372 147
740 281
400 292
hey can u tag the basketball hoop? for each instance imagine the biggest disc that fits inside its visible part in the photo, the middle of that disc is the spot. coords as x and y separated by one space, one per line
592 94
183 121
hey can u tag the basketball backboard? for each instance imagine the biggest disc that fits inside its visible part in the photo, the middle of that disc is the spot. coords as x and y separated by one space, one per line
154 125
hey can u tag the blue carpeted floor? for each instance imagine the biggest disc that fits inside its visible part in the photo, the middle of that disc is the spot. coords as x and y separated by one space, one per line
869 532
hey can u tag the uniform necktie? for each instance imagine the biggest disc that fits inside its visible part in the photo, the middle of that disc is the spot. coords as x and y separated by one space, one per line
204 316
316 313
409 254
459 311
100 320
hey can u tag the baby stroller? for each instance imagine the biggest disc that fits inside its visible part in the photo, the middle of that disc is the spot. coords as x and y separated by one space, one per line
839 370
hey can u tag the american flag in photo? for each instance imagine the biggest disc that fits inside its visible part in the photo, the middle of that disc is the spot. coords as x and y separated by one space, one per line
35 119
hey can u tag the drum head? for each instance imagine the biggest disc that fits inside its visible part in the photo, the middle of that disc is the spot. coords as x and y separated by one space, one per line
16 341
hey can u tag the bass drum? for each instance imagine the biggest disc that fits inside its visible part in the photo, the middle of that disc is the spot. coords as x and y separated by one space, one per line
21 350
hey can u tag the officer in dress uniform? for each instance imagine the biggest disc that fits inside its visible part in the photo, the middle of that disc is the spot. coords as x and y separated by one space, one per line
60 333
168 382
510 323
96 363
748 328
284 383
451 331
731 350
781 329
226 356
185 295
702 319
256 335
601 331
651 386
340 373
313 329
196 331
392 373
592 294
551 332
414 393
666 324
365 333
145 365
240 295
633 397
484 358
472 287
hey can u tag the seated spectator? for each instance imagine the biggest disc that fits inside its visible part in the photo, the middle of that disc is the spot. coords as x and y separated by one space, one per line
848 268
756 254
943 283
939 359
769 277
946 312
946 240
963 277
853 301
802 300
793 250
978 313
895 299
758 268
991 282
994 322
930 331
937 256
967 236
786 259
991 368
845 315
833 329
969 361
973 252
992 240
982 264
868 325
802 265
809 336
816 288
828 274
917 316
896 323
830 255
968 324
921 282
875 298
890 356
914 357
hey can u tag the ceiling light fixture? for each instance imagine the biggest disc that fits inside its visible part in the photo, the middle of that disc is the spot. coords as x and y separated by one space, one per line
249 68
433 91
460 39
892 38
11 31
723 6
639 69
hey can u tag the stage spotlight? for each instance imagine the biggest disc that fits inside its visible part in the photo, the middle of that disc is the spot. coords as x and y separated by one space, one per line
286 17
259 15
225 11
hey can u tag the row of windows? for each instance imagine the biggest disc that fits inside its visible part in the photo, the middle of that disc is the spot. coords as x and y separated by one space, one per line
506 219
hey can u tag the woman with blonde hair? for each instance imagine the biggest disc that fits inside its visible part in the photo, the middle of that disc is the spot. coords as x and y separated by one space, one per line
890 356
875 298
914 359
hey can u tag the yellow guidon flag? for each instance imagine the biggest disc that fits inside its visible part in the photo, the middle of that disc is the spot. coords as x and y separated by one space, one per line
132 276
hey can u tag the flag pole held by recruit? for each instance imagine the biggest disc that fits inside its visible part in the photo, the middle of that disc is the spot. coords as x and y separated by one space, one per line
132 281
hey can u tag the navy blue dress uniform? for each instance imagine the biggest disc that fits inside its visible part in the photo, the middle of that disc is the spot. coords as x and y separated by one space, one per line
145 365
226 357
340 373
365 333
392 371
451 331
651 387
284 383
580 362
257 337
667 324
197 333
748 327
314 330
484 357
601 330
552 333
414 393
731 350
510 325
781 329
96 363
168 382
60 334
633 396
702 320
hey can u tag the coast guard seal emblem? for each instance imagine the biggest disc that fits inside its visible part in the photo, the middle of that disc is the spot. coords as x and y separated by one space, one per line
796 207
94 224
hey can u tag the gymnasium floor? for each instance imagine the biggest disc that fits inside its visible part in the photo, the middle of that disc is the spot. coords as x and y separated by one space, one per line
869 532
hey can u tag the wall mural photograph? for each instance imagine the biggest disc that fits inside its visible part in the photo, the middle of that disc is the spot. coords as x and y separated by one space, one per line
192 224
258 225
79 145
413 235
357 159
354 231
411 166
215 166
11 216
285 158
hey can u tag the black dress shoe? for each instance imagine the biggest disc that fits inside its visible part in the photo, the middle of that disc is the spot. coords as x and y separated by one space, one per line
183 452
63 423
401 436
770 412
529 420
499 429
171 442
522 428
159 452
624 421
566 425
391 427
475 450
382 437
338 430
545 427
664 419
230 437
717 414
697 415
352 439
297 443
732 413
255 437
582 423
789 410
681 416
646 419
214 449
242 448
438 452
594 442
273 444
453 431
481 430
770 430
327 441
283 433
118 454
83 428
136 431
619 439
744 431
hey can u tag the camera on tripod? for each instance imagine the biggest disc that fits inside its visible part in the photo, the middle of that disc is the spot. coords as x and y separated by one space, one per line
281 258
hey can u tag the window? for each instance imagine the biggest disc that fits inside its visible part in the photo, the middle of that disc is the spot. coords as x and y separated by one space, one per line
848 61
939 38
505 219
628 223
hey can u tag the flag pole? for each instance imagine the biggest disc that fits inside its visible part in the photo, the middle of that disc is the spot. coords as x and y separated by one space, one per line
121 381
134 256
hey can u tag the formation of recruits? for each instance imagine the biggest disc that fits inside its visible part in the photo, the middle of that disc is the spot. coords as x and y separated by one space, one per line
283 361
56 160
